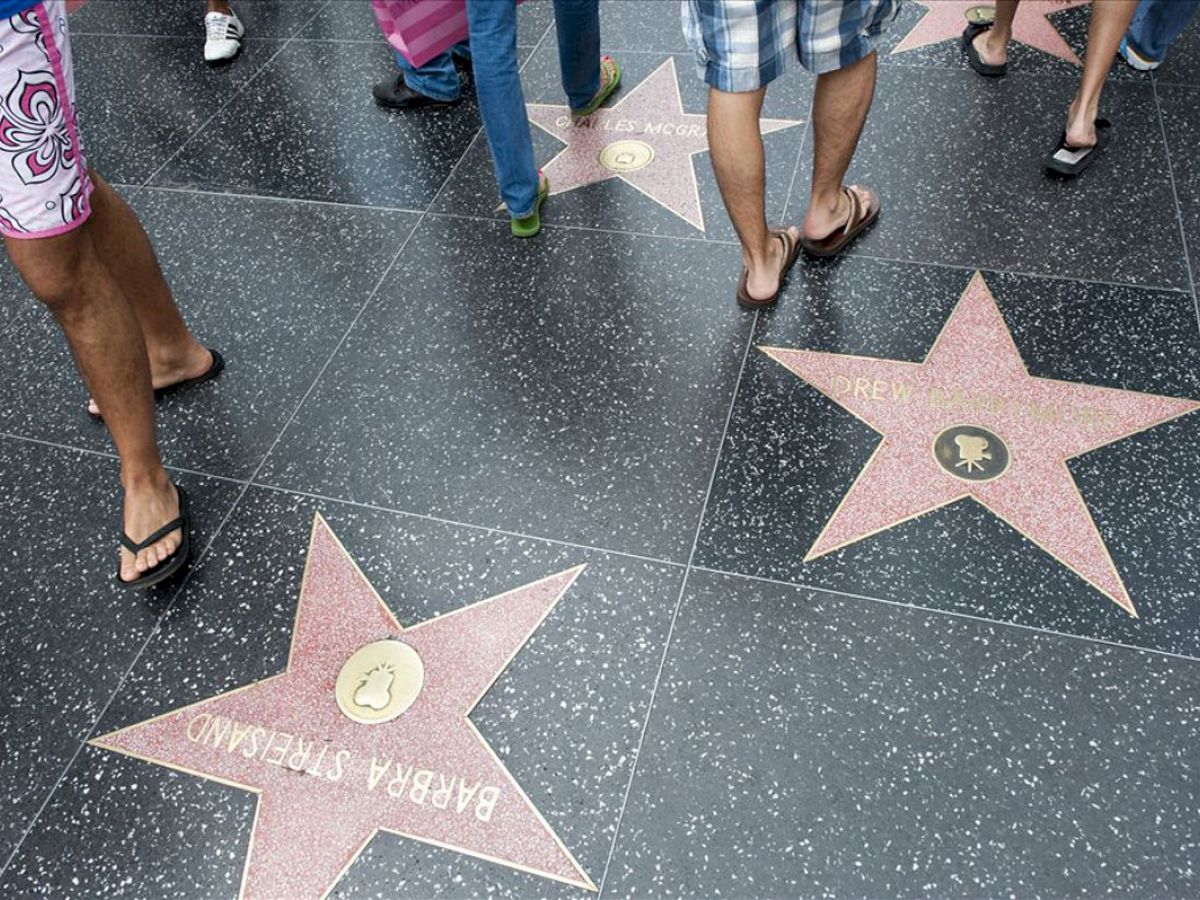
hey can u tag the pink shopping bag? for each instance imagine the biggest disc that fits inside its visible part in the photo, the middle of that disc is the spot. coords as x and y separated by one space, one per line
421 29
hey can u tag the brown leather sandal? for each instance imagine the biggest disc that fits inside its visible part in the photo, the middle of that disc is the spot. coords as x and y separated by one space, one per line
791 252
857 222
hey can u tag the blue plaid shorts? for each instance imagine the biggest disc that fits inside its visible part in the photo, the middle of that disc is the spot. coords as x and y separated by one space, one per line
741 45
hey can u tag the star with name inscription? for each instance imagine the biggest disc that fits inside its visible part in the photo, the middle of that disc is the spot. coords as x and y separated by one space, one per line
367 730
645 139
946 19
970 421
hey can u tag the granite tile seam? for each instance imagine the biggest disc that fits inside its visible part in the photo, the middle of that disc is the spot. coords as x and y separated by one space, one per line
234 95
662 663
1187 258
850 595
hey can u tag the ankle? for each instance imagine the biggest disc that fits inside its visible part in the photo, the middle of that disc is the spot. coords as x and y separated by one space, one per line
148 479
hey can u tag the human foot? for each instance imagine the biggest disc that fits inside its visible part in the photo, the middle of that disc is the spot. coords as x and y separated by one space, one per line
992 49
195 366
825 219
762 277
1081 125
152 506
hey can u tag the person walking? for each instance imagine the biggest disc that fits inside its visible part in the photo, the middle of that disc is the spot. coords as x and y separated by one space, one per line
437 83
742 46
83 253
1086 133
587 78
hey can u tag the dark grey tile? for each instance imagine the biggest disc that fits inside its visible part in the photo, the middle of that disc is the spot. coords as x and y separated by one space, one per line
311 129
1181 122
262 18
805 746
353 20
1182 65
791 455
272 284
573 386
565 717
614 204
68 632
1070 23
140 99
958 163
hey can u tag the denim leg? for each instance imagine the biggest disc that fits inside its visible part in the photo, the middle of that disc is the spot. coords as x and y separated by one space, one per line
577 23
493 30
437 78
1157 23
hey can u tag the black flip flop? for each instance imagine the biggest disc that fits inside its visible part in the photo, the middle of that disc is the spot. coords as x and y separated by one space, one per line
791 252
217 367
172 563
987 70
1071 161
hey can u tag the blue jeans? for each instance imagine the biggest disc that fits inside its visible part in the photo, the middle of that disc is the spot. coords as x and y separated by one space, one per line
1157 23
493 38
437 78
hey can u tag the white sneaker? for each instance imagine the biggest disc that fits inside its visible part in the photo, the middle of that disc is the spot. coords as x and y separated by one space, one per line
1135 59
223 36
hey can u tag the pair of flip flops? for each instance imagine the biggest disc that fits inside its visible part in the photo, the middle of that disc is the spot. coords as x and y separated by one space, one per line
172 563
860 217
217 367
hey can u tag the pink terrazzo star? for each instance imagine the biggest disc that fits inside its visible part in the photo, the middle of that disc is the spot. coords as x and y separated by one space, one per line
327 784
651 114
946 19
973 380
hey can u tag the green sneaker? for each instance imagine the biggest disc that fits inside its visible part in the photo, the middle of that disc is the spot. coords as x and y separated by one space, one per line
528 226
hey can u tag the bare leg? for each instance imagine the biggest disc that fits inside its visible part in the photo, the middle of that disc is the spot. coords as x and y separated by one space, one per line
1110 18
993 43
125 250
66 274
840 108
738 161
219 6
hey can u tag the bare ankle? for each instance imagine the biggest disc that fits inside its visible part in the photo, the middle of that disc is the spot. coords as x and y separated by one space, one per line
144 479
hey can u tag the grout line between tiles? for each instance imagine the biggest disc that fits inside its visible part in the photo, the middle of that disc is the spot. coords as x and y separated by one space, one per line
1187 259
955 614
662 663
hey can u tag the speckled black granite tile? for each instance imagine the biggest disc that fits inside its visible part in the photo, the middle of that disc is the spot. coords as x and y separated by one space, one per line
565 717
614 204
141 98
272 284
791 455
262 18
68 632
958 162
1182 65
352 20
311 129
1181 119
806 746
572 387
1071 23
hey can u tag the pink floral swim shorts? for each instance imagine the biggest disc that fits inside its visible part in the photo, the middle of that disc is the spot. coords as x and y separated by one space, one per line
44 183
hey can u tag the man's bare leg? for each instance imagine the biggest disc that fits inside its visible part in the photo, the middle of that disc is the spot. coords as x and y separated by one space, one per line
992 44
739 163
1110 18
66 274
840 108
219 6
125 250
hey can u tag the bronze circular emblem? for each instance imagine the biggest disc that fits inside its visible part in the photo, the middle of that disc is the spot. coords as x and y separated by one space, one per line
971 453
379 682
626 156
981 15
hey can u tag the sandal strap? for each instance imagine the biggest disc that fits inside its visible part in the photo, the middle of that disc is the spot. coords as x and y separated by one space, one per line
133 547
855 211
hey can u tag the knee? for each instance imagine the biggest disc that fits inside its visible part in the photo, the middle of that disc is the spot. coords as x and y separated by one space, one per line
55 274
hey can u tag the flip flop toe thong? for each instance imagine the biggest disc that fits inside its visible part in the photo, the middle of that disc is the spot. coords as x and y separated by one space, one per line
172 563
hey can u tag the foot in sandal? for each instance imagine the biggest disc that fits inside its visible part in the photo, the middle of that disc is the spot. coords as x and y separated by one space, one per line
763 277
829 229
155 543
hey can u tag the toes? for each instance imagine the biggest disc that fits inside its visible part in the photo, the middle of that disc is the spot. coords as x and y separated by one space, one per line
128 566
